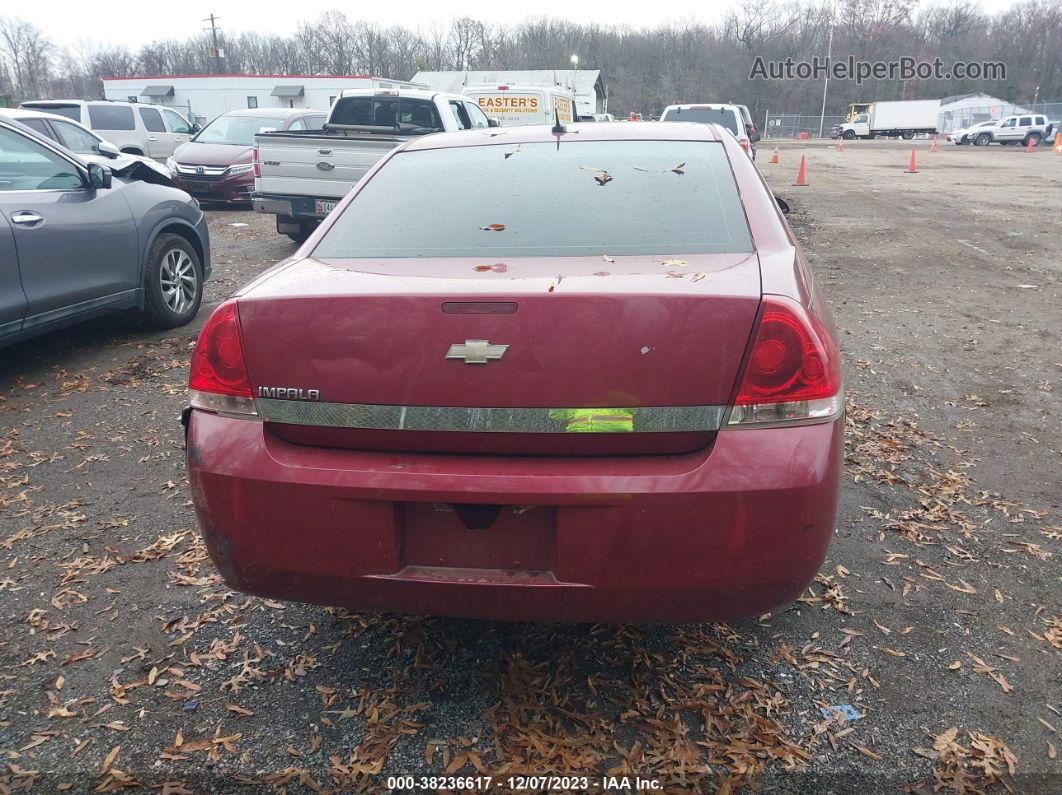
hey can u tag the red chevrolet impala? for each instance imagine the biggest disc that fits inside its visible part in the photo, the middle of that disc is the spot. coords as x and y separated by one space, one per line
575 375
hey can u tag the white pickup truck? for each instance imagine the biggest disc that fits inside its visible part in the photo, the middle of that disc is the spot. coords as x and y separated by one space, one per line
301 175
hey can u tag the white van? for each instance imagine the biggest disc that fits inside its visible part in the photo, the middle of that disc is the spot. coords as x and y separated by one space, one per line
515 106
135 128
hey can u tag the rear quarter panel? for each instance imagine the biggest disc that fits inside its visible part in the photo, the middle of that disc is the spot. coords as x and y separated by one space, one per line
783 270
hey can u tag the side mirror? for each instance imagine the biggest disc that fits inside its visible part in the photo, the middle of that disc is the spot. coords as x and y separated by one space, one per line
493 123
783 205
109 149
99 177
195 128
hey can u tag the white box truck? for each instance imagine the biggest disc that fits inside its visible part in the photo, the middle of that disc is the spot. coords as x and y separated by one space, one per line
515 106
905 119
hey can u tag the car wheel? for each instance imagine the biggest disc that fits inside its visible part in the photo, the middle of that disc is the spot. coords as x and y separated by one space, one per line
174 283
908 135
984 139
1034 137
849 135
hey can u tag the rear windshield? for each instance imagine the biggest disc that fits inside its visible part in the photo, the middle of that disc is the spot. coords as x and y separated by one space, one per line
724 116
111 117
578 199
70 111
407 114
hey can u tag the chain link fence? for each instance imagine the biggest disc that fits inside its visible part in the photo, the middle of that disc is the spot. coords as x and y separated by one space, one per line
791 125
960 117
956 117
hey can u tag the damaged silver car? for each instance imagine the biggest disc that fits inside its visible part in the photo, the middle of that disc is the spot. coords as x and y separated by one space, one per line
81 235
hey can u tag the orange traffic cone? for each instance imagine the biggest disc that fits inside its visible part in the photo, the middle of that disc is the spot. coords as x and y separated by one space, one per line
911 166
1031 145
774 157
840 144
802 177
933 146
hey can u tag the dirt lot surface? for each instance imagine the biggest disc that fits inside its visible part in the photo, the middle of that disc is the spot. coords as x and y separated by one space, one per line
125 662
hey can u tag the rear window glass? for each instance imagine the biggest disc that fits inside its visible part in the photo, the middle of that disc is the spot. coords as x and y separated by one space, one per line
70 111
724 116
111 117
404 113
581 199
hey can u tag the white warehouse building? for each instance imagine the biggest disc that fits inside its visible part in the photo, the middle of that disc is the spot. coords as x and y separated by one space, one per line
205 97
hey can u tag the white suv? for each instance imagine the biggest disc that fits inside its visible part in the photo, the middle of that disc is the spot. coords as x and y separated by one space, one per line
1021 128
729 116
135 128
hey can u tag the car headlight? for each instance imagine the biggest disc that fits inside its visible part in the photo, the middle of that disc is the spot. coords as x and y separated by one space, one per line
243 168
171 165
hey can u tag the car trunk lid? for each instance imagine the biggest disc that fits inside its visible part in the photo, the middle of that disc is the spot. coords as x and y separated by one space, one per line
407 354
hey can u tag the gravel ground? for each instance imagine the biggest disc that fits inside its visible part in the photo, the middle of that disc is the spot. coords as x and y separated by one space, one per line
124 662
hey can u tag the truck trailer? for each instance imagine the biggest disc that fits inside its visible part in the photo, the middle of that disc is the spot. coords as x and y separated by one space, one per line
894 119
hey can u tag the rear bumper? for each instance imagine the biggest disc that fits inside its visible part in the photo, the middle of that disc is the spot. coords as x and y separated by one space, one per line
712 535
303 207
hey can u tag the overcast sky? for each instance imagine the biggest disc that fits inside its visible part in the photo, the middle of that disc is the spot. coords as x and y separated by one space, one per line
137 23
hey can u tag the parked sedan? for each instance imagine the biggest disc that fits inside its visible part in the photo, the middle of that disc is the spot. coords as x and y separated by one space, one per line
78 239
611 395
216 164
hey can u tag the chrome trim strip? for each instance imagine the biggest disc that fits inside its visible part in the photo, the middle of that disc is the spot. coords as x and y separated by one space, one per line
191 170
647 419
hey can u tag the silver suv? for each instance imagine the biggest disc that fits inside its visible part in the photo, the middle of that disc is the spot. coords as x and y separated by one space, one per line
1020 128
135 128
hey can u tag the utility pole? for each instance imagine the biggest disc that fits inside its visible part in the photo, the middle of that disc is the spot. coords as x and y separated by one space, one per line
215 51
826 82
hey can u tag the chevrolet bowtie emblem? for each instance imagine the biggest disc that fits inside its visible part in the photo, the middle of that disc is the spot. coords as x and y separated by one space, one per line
476 351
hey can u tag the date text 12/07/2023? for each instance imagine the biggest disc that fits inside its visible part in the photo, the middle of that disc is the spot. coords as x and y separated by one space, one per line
551 783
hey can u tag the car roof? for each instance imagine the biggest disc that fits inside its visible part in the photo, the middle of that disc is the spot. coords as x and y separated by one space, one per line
709 105
275 113
595 131
418 93
27 113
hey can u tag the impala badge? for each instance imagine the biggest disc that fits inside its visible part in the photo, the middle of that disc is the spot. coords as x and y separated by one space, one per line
476 351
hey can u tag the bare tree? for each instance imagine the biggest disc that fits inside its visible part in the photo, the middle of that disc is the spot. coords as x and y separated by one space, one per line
644 68
28 53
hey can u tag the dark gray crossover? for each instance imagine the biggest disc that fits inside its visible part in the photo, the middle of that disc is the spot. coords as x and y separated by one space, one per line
78 239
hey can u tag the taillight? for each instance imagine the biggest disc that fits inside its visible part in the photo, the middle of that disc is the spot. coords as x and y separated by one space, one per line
217 378
256 170
793 373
